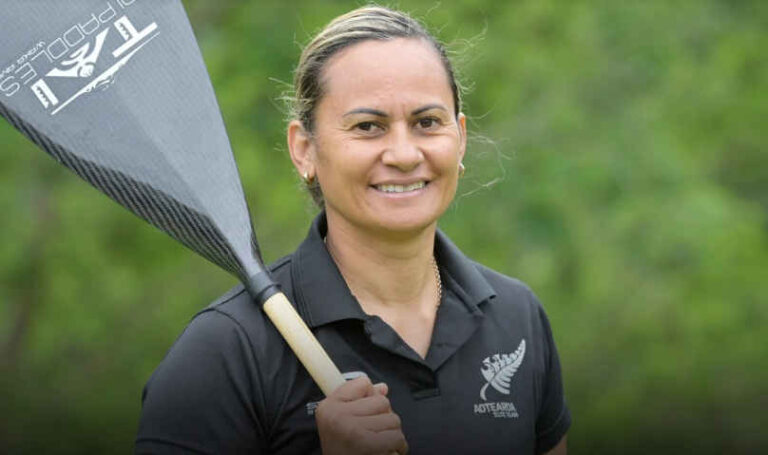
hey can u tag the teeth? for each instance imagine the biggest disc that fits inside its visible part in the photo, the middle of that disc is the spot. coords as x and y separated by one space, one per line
400 188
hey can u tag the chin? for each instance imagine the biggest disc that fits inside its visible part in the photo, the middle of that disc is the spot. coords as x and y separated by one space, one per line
410 222
391 217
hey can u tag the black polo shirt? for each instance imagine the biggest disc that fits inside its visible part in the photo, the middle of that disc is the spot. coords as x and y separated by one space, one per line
490 382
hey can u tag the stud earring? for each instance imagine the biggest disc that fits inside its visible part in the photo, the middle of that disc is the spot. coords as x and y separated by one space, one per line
462 170
308 179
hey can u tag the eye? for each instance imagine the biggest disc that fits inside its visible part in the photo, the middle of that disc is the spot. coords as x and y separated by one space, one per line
427 123
367 127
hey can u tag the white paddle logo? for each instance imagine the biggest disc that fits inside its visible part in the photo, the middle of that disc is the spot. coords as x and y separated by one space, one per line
83 61
498 371
75 56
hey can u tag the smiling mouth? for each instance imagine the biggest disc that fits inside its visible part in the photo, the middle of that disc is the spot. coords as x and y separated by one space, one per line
387 188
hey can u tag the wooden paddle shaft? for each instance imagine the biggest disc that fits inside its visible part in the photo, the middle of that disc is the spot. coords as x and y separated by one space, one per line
303 343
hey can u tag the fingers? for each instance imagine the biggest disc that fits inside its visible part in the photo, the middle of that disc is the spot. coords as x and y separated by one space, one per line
368 406
364 441
361 407
359 388
354 390
390 441
381 388
381 422
358 418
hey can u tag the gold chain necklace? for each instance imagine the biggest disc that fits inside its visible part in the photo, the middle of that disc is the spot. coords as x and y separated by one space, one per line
435 268
439 281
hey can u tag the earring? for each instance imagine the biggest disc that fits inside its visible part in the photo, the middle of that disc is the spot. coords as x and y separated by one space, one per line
462 170
308 179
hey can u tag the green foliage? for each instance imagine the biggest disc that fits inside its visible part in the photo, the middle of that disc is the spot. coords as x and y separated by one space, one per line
625 180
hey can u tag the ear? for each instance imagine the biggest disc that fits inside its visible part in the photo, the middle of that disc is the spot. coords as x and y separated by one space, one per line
301 147
462 121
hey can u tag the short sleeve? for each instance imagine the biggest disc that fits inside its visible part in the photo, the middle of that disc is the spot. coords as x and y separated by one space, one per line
554 418
203 398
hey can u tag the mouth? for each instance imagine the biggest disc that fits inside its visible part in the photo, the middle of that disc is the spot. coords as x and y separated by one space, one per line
391 188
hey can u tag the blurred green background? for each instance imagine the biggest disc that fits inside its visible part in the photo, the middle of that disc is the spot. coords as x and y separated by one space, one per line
618 166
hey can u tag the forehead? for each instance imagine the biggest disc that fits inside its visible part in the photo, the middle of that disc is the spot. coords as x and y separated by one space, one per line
378 73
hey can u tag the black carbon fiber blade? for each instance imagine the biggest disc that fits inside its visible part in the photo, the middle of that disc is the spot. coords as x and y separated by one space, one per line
117 92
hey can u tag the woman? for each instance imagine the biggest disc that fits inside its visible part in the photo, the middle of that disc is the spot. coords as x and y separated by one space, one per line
444 355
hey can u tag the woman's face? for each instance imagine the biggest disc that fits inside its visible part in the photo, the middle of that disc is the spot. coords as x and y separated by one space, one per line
387 144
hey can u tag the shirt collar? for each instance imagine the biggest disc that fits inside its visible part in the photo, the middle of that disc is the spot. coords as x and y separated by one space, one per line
322 295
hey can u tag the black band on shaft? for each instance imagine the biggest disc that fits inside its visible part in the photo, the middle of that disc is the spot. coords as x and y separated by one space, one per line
261 287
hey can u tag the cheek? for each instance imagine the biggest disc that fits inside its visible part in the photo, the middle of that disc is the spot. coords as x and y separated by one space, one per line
448 153
340 163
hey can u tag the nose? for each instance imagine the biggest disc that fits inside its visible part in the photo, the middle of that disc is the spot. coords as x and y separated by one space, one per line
402 150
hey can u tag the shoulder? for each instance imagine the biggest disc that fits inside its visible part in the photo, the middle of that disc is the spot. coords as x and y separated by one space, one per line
513 296
236 319
280 272
517 307
506 287
232 330
222 386
238 305
480 283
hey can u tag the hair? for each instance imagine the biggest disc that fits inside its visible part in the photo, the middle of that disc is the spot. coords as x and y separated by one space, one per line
362 24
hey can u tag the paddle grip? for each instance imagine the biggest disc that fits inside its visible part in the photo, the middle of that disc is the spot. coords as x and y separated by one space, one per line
303 343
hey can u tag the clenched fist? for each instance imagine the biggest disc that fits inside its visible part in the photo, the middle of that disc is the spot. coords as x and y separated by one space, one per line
358 419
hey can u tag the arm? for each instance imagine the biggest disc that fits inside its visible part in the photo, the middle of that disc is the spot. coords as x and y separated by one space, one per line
554 419
201 399
561 448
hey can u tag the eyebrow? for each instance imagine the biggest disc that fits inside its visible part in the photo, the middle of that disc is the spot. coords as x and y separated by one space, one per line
429 107
365 110
378 113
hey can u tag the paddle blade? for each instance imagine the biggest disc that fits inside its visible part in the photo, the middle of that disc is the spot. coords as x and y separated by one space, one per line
117 92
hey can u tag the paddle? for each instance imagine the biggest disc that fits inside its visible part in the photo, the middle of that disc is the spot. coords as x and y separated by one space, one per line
117 92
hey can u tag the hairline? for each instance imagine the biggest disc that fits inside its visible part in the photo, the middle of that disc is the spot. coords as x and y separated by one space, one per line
429 42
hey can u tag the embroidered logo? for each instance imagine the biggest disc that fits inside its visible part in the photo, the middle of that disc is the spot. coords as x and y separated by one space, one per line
498 371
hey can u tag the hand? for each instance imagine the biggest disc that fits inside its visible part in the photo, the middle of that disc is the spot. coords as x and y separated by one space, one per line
358 419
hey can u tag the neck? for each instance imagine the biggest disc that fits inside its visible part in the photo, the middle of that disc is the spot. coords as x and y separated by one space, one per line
385 271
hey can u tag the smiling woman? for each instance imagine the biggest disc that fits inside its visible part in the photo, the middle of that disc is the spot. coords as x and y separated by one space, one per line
387 139
448 356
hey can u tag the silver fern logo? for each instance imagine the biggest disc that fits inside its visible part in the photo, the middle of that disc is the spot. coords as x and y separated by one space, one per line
498 370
